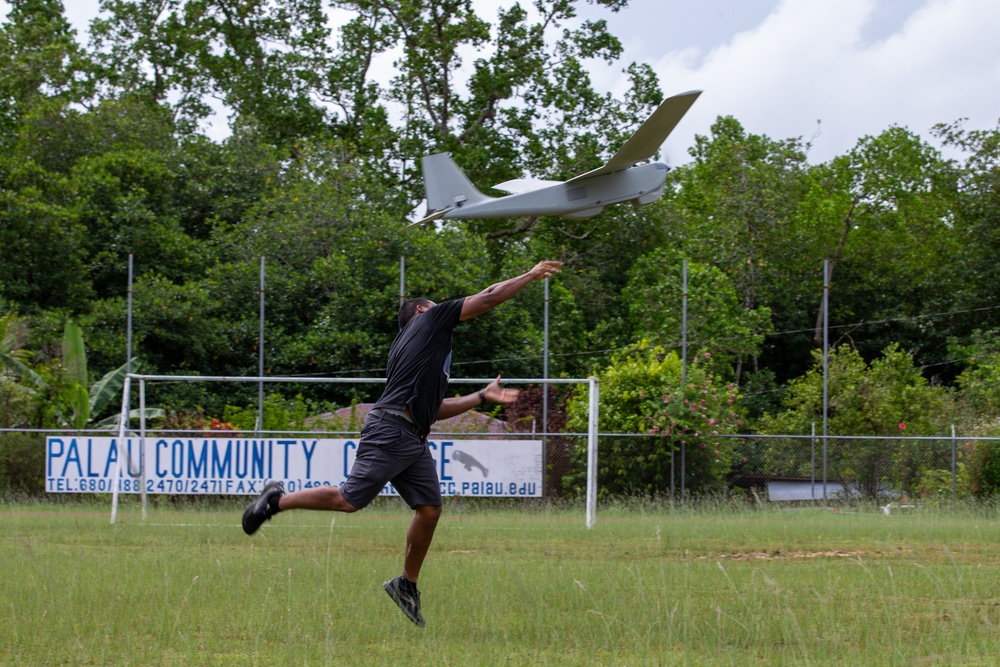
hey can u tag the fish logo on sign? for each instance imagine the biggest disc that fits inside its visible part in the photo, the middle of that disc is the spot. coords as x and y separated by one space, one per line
469 462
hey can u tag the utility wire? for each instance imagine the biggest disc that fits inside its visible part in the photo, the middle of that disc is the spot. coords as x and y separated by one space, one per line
609 351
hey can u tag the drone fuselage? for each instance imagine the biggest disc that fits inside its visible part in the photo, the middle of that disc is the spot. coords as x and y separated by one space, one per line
576 199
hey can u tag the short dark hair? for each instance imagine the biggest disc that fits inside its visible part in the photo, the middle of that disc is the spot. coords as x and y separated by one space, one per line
408 309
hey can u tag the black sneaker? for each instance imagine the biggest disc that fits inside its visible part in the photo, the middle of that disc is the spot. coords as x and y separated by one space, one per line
261 510
408 601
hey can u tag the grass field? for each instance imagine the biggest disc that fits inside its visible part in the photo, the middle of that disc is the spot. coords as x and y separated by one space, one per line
645 586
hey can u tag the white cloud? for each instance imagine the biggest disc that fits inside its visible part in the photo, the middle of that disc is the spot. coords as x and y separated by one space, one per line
808 61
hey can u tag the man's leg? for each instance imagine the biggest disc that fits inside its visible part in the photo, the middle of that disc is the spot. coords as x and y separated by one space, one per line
274 499
316 498
403 590
368 475
418 539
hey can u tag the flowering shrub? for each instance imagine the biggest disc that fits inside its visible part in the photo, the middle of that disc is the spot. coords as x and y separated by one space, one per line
694 416
642 393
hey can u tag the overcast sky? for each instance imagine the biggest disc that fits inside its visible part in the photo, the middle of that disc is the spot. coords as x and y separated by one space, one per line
779 66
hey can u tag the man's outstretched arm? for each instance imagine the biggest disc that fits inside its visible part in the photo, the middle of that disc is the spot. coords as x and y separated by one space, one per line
492 393
494 295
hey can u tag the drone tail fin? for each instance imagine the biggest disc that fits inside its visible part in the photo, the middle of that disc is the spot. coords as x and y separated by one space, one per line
446 185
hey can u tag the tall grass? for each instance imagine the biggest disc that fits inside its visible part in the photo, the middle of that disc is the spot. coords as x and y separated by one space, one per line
502 586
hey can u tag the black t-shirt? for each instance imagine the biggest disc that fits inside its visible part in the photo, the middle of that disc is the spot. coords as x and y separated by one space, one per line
420 364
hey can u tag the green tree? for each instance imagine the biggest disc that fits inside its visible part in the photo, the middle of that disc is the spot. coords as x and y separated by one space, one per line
890 232
15 403
263 59
42 68
717 323
42 72
736 201
43 263
737 206
977 223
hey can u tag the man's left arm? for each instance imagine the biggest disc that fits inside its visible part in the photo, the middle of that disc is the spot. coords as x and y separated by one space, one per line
494 295
492 393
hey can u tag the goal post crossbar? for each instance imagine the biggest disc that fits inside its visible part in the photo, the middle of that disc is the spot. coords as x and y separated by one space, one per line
345 380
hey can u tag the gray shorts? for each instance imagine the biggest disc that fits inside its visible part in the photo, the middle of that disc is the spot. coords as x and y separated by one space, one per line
390 453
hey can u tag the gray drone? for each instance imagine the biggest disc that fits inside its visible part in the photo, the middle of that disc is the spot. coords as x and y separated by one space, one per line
452 196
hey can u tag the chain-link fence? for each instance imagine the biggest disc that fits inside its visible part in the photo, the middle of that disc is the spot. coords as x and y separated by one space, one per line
786 468
771 467
861 468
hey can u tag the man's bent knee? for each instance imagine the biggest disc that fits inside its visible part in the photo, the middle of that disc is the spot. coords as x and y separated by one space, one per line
428 512
341 504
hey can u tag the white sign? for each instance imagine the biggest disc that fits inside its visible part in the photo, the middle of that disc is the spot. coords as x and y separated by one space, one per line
211 466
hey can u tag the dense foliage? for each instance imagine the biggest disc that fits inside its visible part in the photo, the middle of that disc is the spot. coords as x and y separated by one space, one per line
113 148
679 409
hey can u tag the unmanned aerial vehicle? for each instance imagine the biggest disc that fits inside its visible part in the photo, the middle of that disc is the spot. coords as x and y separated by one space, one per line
452 196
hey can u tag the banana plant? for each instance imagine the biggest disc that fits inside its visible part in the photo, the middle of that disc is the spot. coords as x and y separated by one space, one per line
76 403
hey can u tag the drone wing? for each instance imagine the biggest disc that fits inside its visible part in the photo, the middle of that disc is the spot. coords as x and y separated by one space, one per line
649 137
519 185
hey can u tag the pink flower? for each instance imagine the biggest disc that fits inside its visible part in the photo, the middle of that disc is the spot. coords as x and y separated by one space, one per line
902 426
642 394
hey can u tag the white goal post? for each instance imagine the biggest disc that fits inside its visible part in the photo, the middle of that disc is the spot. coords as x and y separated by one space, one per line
124 426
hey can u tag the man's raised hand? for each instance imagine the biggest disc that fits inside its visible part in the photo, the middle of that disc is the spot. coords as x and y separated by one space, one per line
546 269
494 393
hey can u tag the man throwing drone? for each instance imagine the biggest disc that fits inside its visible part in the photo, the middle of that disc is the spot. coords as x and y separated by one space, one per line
393 446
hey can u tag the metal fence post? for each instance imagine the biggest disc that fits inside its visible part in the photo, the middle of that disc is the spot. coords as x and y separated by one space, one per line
260 355
402 279
142 445
954 463
812 464
684 347
826 366
545 385
125 393
592 454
